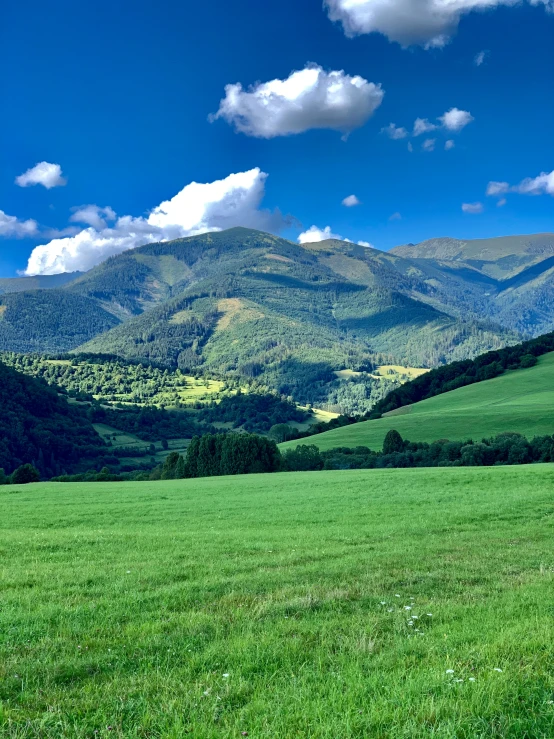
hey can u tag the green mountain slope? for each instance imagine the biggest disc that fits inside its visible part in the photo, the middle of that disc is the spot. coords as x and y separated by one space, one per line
40 282
40 427
49 320
261 307
250 304
509 279
520 401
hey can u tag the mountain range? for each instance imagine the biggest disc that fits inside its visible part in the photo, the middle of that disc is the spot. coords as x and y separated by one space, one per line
246 303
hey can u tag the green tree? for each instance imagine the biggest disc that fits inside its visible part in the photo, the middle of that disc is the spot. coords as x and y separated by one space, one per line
393 442
304 458
25 474
169 468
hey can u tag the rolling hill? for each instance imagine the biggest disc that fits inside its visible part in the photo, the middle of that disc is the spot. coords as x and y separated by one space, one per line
519 401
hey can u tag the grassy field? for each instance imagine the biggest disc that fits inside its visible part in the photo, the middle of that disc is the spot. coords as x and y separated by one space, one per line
384 604
521 401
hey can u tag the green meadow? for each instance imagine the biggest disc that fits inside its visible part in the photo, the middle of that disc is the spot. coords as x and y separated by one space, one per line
520 401
374 603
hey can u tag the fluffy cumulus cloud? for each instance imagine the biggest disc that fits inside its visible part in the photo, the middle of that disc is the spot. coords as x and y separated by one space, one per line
541 185
429 145
315 234
394 132
351 201
456 119
309 98
197 208
449 145
472 207
428 23
10 226
422 125
44 173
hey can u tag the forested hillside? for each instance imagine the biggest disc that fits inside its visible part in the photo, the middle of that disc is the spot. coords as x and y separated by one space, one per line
38 426
248 306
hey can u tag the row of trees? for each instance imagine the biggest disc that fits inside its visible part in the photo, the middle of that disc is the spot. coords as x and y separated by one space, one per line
505 449
213 455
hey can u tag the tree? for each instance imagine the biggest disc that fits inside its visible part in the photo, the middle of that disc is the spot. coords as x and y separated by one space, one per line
304 458
393 442
169 468
281 432
25 474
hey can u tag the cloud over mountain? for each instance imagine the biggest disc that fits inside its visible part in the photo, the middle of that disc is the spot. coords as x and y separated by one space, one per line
44 173
309 98
428 23
197 208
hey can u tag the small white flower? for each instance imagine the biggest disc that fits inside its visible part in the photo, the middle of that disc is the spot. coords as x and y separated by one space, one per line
225 674
450 672
497 669
410 623
207 692
415 618
396 595
459 680
407 608
128 572
383 602
430 615
471 679
390 610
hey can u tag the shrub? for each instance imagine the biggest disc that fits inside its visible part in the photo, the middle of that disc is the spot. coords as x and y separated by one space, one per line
25 474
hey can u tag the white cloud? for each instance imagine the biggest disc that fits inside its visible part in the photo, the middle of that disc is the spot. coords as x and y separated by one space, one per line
315 234
449 145
479 58
472 207
498 188
429 145
395 217
541 185
351 201
12 226
44 173
197 208
410 146
428 23
309 98
93 215
501 203
422 125
394 132
455 119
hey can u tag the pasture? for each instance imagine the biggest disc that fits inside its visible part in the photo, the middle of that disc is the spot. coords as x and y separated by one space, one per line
520 401
385 604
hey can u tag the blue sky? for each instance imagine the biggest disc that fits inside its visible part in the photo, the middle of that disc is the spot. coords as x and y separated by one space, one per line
118 94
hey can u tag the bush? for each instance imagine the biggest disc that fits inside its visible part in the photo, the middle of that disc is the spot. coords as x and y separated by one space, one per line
25 474
305 458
